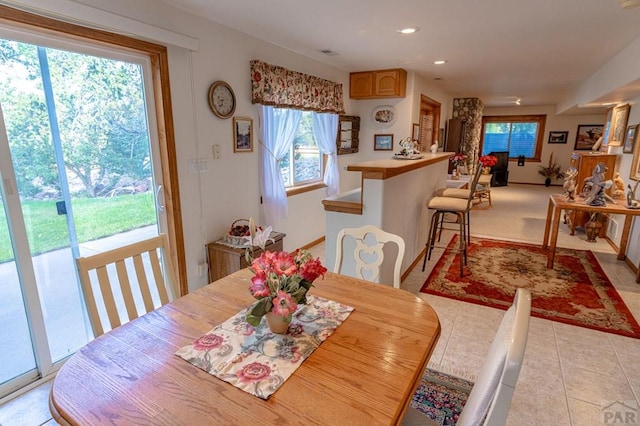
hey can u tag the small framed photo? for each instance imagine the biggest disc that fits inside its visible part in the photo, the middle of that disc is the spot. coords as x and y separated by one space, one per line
242 134
630 139
558 137
383 142
587 136
415 135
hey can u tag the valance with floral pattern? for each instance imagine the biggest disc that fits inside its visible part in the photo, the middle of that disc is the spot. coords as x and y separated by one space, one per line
277 86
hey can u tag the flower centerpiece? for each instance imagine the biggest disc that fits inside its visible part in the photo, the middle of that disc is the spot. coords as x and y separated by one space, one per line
488 161
550 171
280 283
458 159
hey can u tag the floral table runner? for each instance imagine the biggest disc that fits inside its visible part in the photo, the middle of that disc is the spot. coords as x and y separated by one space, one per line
258 361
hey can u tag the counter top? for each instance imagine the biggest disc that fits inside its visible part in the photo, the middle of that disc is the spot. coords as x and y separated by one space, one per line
385 169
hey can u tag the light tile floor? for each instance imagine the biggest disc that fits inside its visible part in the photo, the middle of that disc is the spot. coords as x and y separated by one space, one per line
570 374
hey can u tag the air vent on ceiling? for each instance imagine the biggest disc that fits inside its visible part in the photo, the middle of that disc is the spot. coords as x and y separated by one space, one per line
329 52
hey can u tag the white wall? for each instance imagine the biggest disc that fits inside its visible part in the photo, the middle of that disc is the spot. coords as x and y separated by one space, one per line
555 123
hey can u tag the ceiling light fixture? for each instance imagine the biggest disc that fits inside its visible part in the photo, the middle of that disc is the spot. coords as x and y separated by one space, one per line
518 101
409 30
440 62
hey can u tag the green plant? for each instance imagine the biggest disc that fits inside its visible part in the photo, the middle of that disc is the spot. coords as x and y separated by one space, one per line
551 170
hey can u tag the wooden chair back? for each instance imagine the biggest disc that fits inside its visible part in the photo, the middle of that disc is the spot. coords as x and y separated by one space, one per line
373 251
127 263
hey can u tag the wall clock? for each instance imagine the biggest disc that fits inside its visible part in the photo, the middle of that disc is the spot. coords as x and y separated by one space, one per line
222 100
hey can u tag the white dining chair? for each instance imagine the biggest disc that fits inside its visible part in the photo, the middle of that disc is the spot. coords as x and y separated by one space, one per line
127 266
490 398
368 254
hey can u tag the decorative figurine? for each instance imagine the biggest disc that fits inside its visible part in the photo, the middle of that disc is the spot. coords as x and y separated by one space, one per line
632 203
618 192
594 187
569 185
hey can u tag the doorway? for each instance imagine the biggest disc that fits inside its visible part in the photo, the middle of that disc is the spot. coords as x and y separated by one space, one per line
429 123
80 173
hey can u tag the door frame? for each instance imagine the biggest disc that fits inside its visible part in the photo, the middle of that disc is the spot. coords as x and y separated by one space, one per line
430 107
158 57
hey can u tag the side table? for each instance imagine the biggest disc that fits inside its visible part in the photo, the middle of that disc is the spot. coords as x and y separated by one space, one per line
224 259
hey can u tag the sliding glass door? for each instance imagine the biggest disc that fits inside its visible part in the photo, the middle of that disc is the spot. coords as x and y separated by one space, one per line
78 177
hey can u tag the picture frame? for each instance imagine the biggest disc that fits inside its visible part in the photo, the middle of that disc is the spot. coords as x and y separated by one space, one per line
587 135
242 134
384 115
558 137
415 135
607 129
619 121
383 142
630 139
634 174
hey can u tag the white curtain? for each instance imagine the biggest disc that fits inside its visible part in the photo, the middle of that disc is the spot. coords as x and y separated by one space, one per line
325 128
278 128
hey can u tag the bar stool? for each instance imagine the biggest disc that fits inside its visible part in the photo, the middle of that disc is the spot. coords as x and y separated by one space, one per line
464 194
460 208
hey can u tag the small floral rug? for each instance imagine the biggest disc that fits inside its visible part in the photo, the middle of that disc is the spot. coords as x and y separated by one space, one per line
258 361
441 396
576 291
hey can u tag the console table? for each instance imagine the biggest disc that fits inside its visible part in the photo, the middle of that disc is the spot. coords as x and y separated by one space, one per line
224 259
558 202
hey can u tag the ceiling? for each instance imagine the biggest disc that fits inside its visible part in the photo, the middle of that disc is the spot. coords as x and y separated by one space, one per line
496 50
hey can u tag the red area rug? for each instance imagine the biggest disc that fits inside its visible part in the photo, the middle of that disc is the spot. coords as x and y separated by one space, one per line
576 291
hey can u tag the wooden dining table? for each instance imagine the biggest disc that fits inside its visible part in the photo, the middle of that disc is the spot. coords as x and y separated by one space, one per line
365 373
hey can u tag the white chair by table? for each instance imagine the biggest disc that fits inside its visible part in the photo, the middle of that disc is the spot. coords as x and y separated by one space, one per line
368 258
144 280
490 398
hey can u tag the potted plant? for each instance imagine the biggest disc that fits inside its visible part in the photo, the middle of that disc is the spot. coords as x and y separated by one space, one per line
551 171
488 161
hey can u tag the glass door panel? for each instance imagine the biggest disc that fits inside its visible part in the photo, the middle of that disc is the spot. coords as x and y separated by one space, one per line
16 349
77 125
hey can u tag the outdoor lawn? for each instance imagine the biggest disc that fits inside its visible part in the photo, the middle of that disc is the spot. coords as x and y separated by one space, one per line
94 218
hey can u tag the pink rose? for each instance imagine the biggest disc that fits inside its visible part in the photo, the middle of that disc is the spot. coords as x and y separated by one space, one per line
253 372
208 341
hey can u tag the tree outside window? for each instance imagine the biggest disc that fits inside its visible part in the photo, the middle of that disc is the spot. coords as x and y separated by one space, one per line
303 165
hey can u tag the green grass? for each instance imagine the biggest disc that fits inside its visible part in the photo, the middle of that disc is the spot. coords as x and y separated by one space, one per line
94 218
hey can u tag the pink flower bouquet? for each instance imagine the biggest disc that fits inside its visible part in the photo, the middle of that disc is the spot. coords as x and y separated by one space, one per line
281 282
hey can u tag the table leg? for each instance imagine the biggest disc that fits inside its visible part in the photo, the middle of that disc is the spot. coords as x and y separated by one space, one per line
554 237
545 240
625 236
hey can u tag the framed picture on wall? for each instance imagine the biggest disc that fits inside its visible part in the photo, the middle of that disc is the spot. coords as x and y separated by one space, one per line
619 121
607 129
635 164
416 132
630 139
558 137
383 142
242 134
587 135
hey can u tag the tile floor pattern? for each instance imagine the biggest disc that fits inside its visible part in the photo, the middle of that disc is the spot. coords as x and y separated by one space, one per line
570 376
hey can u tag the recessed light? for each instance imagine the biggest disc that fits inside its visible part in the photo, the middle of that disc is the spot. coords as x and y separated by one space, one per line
409 30
440 62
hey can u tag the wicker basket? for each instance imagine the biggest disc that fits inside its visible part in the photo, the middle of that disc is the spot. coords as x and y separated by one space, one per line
237 240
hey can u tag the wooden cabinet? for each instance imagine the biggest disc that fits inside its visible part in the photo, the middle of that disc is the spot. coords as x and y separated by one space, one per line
585 162
224 260
347 139
378 84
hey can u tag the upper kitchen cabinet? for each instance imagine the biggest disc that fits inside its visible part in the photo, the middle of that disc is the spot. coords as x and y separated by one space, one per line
378 84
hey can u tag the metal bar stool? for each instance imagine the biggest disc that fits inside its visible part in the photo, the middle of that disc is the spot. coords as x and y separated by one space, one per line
459 207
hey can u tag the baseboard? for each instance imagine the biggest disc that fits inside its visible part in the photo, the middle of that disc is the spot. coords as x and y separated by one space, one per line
312 243
413 264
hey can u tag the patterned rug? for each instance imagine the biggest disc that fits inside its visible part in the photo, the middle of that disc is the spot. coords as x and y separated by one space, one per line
441 396
576 291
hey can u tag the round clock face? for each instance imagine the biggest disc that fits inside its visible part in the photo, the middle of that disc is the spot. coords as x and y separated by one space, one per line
222 101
